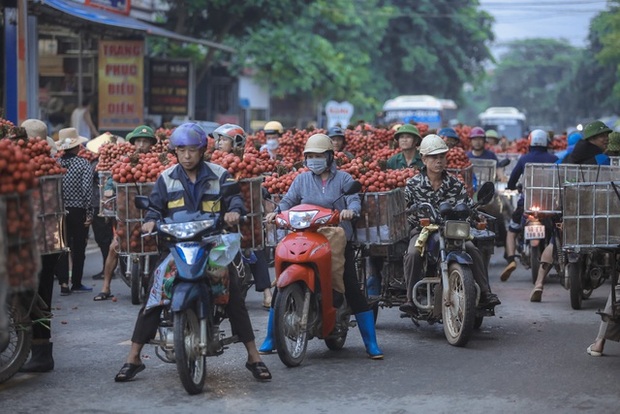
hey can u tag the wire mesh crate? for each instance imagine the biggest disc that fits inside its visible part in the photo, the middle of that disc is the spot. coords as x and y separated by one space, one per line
273 235
614 161
130 220
484 170
383 219
513 157
50 215
252 229
466 175
591 215
544 183
107 200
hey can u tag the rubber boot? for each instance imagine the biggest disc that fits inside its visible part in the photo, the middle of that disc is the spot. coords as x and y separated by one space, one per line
366 324
269 344
41 359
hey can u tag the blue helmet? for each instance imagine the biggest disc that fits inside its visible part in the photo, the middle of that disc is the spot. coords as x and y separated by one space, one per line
574 138
188 134
448 132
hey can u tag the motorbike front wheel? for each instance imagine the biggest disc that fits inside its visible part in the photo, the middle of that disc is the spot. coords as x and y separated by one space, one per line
17 349
136 280
459 313
291 338
191 364
576 286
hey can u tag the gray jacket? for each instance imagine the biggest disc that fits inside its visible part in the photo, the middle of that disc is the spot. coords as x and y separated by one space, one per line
308 188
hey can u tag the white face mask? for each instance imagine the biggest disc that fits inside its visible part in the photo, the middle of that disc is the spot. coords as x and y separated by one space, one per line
272 144
317 165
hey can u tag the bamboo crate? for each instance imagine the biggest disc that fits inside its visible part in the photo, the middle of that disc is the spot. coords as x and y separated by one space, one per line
50 212
591 215
130 220
273 235
252 230
383 219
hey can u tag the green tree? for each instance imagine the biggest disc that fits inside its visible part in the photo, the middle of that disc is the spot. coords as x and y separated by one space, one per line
531 76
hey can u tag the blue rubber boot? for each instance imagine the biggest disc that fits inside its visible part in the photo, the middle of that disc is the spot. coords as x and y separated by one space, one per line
269 344
373 286
366 324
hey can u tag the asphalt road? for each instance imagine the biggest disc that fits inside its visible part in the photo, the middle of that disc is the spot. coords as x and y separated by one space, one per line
529 358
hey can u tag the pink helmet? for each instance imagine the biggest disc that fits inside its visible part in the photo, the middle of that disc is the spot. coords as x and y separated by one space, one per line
477 132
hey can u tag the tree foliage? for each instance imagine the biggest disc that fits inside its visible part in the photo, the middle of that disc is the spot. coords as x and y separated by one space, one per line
531 76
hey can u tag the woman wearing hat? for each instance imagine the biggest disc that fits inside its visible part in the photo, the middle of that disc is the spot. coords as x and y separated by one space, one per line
77 190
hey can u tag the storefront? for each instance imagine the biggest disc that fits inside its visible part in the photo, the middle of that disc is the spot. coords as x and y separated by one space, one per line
74 51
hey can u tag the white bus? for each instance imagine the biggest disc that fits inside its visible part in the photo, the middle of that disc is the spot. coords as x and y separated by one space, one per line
418 108
506 120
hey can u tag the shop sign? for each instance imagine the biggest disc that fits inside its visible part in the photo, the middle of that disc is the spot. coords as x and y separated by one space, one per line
121 84
338 113
117 6
169 82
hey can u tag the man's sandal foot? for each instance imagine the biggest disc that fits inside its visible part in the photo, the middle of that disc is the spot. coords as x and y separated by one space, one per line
259 370
128 371
536 295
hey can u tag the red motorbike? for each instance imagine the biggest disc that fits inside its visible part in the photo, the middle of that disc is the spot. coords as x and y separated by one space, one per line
305 307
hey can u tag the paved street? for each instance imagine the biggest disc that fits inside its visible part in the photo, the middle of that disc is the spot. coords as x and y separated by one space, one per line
530 357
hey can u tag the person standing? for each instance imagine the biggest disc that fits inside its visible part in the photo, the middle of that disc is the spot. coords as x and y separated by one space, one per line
82 121
77 191
340 141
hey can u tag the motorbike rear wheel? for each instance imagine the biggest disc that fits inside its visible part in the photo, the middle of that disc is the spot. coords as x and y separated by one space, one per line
576 286
14 355
460 314
191 364
291 339
535 252
136 280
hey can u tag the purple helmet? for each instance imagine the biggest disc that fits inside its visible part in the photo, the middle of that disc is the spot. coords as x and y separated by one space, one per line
188 135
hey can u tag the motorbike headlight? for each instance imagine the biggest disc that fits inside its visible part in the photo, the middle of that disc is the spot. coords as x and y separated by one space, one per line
456 229
301 219
186 230
323 220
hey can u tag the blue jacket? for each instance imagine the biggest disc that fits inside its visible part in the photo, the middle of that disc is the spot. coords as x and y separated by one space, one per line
537 155
173 192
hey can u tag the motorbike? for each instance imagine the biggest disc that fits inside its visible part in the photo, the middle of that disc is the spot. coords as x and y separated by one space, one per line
189 330
447 292
586 271
537 233
305 306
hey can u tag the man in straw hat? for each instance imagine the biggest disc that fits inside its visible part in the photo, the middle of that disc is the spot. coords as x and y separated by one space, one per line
77 187
37 128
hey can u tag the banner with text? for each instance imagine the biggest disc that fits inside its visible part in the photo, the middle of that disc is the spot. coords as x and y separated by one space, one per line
121 84
170 86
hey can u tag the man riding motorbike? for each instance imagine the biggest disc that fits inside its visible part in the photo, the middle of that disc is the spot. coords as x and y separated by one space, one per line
435 185
192 185
539 141
323 185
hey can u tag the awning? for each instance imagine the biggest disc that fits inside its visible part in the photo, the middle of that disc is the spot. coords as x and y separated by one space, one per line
108 18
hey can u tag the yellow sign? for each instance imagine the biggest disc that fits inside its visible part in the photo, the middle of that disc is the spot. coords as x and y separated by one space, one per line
121 84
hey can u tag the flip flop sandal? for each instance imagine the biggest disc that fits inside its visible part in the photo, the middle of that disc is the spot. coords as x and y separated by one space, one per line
536 295
259 370
593 353
103 296
128 371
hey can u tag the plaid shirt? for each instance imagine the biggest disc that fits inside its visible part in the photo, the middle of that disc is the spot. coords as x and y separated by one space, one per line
420 190
77 184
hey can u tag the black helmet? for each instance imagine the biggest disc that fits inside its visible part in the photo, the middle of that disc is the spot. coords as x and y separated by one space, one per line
335 132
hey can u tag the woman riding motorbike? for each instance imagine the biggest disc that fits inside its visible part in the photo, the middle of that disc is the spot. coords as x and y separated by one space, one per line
323 185
435 185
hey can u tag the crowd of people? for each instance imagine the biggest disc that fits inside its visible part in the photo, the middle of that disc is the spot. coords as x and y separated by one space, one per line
187 185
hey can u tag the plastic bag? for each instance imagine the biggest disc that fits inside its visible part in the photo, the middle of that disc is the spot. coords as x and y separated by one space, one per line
224 253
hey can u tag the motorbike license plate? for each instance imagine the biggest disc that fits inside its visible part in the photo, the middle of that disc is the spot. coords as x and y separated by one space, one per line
536 231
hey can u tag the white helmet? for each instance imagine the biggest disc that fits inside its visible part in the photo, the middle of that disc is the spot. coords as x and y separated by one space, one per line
433 144
538 138
318 144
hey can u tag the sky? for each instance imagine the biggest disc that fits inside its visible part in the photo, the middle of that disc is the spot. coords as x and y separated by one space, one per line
558 19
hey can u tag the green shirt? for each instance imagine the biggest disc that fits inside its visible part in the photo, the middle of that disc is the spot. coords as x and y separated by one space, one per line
398 162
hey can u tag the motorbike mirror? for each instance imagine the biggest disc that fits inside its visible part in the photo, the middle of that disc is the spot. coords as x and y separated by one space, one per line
486 193
230 188
503 163
142 202
445 208
352 187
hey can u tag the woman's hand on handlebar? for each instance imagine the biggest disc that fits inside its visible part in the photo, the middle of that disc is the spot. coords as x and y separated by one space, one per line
270 217
148 227
347 214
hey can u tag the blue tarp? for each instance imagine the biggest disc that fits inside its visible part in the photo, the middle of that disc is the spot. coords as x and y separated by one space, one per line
109 18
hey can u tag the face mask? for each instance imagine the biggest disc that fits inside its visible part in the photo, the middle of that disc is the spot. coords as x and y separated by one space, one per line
317 165
272 144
